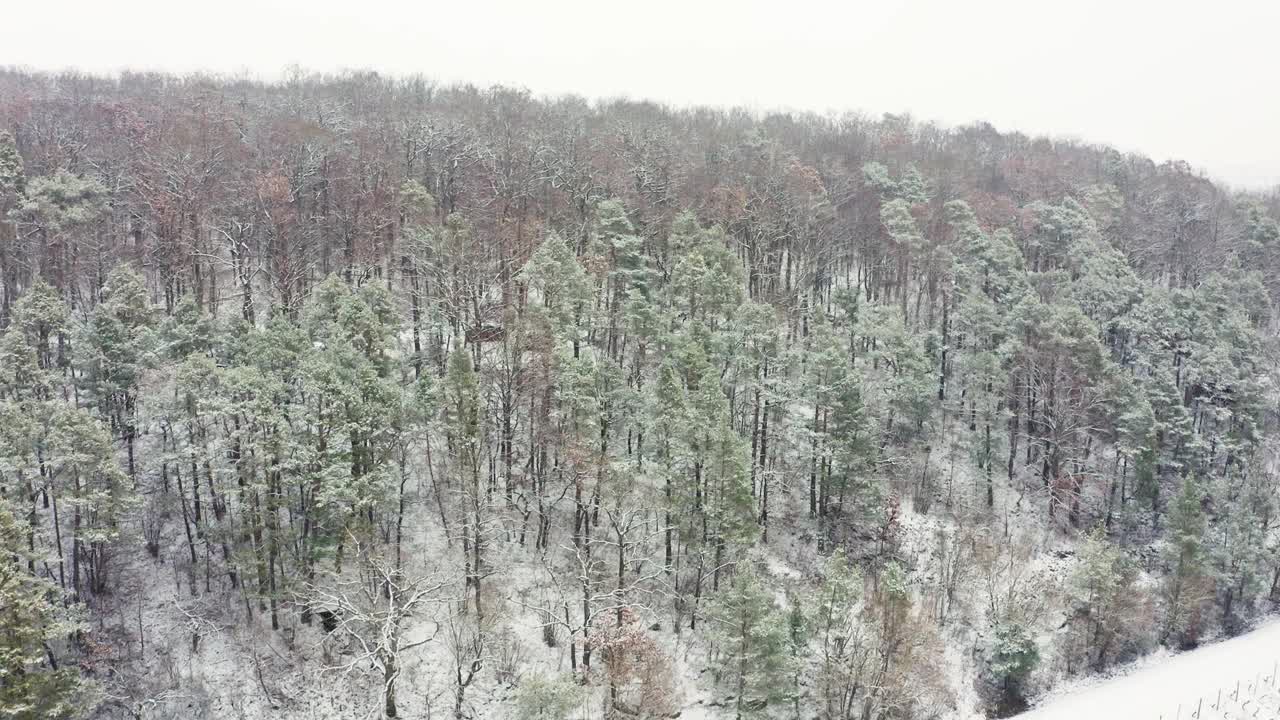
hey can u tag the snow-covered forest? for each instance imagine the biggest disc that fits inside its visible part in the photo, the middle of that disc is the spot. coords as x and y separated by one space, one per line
358 397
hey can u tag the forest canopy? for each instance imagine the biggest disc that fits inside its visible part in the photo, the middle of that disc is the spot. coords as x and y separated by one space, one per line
380 397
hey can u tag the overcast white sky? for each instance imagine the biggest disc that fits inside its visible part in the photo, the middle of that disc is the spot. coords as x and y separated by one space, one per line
1198 80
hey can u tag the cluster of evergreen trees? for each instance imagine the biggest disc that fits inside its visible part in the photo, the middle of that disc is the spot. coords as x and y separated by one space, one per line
286 337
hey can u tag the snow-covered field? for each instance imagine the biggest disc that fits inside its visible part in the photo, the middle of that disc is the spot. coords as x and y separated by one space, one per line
1175 686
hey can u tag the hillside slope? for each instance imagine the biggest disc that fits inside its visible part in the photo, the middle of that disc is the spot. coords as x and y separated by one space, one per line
354 396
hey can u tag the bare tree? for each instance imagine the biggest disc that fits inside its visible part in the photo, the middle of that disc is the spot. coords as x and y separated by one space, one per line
371 610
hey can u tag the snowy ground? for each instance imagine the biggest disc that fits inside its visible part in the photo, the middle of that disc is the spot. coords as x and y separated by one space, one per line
1175 686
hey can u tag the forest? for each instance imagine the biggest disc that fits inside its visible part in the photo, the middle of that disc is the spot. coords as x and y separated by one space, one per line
356 396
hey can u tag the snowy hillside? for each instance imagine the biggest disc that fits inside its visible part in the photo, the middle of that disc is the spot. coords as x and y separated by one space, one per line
1234 679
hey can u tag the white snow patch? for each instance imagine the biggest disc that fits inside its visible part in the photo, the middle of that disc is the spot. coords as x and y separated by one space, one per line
1169 687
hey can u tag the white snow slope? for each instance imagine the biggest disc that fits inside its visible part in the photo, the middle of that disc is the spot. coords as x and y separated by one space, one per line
1174 686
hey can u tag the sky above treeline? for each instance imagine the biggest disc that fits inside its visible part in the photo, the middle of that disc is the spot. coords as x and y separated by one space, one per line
1171 79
